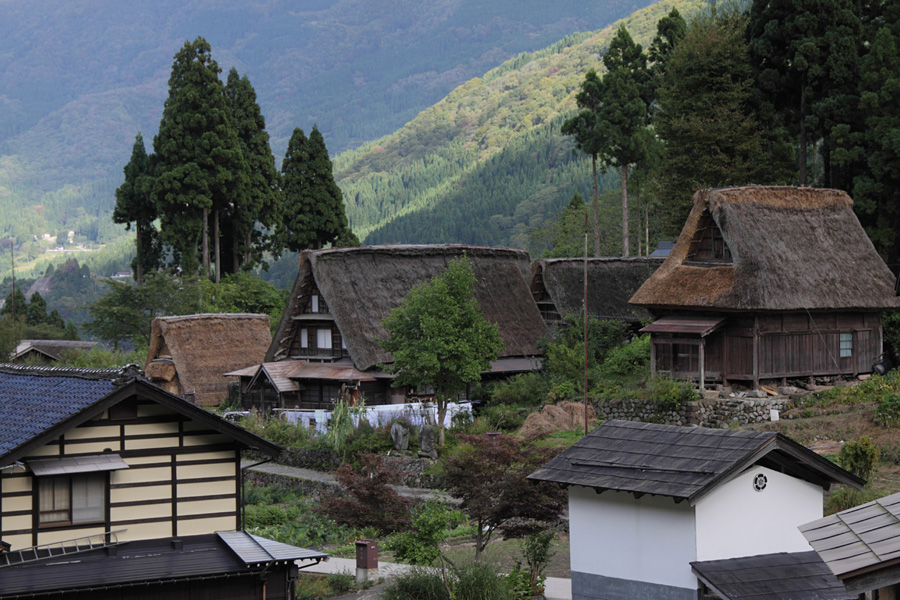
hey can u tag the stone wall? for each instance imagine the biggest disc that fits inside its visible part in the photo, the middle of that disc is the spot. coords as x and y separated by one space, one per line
721 412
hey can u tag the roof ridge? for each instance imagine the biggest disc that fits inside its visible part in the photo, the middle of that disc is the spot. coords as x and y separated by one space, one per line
119 375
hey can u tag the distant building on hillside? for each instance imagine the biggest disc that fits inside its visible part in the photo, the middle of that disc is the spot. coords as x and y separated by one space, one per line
47 351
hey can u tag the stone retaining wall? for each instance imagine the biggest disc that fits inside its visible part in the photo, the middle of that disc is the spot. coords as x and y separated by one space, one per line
720 413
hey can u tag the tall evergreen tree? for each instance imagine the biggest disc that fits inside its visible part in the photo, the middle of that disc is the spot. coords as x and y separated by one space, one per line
313 204
670 30
36 313
703 115
134 205
256 213
804 56
199 164
624 112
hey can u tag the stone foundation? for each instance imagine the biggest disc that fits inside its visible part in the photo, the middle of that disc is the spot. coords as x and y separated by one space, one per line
718 413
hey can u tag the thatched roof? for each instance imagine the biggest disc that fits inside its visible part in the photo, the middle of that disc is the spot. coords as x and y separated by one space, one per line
611 282
204 347
362 285
792 249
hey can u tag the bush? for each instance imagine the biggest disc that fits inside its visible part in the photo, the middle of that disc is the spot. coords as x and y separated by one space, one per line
859 457
672 393
480 581
470 581
627 363
280 432
842 498
874 389
416 584
528 389
420 545
888 412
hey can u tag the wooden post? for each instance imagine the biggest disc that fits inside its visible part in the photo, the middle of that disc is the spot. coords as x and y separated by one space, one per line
702 363
652 356
755 353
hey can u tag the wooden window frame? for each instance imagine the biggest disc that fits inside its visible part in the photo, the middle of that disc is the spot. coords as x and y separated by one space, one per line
102 477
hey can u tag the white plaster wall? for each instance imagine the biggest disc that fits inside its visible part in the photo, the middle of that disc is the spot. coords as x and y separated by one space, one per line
650 539
736 520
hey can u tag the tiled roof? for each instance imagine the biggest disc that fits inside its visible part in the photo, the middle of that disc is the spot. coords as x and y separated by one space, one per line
33 399
680 462
797 575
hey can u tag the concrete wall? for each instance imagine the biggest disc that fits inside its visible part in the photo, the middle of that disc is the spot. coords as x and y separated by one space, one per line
736 520
617 542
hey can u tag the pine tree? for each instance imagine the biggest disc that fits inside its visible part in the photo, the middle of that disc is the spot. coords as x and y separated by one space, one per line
260 203
134 205
199 164
36 313
313 203
623 116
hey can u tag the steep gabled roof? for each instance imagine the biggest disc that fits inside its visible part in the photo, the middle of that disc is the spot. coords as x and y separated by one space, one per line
362 285
38 404
611 282
52 349
204 347
861 544
791 249
794 575
684 463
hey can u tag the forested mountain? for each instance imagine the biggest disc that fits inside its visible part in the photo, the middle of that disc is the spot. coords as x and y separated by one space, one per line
79 80
488 161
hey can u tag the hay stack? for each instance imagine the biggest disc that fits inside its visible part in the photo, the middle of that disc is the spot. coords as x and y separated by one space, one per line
555 417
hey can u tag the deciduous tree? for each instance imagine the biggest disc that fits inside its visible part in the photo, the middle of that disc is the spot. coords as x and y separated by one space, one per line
439 338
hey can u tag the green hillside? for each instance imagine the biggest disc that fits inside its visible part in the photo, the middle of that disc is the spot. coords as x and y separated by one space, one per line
487 160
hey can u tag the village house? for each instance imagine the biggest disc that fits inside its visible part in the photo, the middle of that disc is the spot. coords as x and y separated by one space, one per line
326 344
647 500
48 351
188 354
112 488
557 285
768 283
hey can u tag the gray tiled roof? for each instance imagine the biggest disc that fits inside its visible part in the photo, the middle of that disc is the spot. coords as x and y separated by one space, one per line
33 399
858 538
680 462
796 575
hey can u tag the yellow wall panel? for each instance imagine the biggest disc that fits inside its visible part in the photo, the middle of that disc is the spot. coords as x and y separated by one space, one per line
222 455
151 443
51 537
201 526
17 523
141 475
87 431
18 541
198 490
156 492
16 484
91 448
145 511
16 503
152 429
203 440
205 471
198 507
145 531
48 450
147 460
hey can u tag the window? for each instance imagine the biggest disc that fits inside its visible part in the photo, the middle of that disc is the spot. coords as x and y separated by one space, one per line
323 339
315 303
304 338
846 345
76 499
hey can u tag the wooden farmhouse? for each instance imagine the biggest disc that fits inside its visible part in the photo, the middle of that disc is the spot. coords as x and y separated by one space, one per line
327 341
48 351
189 354
113 488
646 501
557 285
768 283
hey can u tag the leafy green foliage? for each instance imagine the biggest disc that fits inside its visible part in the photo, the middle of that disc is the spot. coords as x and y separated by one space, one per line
671 393
281 432
420 544
438 337
467 581
842 498
876 389
99 357
859 457
134 205
628 362
888 412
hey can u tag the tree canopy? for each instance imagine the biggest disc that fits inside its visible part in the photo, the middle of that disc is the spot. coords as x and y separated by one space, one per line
439 338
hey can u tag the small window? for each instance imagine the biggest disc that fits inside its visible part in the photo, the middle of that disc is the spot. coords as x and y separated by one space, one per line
304 338
323 339
846 345
76 499
315 303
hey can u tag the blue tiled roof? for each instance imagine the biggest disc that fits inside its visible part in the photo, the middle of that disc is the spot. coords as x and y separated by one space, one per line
33 400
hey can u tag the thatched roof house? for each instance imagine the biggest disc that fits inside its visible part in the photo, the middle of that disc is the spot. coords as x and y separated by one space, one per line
189 355
48 351
557 285
773 282
341 296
